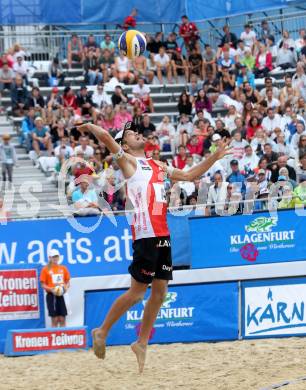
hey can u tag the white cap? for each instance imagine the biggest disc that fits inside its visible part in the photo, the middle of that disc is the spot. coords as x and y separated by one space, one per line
119 135
216 137
53 253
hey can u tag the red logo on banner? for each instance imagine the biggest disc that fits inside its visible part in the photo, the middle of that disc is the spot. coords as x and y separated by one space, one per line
249 252
19 294
49 340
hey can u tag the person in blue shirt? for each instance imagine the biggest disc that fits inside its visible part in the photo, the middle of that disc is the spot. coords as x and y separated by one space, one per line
27 126
245 76
85 200
236 176
41 138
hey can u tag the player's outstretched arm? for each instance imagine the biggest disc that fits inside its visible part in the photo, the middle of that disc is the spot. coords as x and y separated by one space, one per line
126 162
202 167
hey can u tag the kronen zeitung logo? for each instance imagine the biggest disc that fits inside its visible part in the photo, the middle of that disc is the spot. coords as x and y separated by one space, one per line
176 314
260 231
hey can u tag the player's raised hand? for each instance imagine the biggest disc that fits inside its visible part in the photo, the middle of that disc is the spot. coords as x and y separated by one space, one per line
223 148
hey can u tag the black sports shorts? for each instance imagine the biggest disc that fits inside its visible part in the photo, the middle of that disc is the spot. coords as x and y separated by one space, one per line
151 259
56 305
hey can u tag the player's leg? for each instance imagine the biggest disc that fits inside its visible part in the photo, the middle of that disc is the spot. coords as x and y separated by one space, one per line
120 306
61 320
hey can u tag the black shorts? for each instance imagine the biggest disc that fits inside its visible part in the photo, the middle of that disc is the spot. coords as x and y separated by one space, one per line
56 305
151 259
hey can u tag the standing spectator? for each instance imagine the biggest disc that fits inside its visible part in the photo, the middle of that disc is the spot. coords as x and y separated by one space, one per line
91 44
55 280
142 91
147 127
130 21
74 50
189 32
85 200
92 68
195 63
184 105
8 157
265 32
20 67
41 138
248 36
263 64
163 65
19 97
107 44
119 96
229 37
55 73
85 103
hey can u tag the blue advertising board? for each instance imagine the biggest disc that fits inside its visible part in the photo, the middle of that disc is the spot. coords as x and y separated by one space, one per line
101 247
21 299
247 239
199 312
273 308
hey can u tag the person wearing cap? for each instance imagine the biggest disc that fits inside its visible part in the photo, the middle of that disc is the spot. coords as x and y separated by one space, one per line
8 158
84 198
236 176
56 75
55 280
152 262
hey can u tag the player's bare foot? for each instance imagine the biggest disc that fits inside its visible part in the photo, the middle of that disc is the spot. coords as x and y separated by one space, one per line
98 343
140 352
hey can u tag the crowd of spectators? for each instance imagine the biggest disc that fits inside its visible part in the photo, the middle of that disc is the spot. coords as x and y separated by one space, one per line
265 127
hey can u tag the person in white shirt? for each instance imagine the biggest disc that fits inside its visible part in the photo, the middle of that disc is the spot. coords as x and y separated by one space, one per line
240 52
272 101
142 91
20 67
268 85
281 146
299 43
238 145
216 196
86 149
249 160
100 97
300 130
165 132
204 114
163 65
183 130
188 186
272 120
229 119
248 36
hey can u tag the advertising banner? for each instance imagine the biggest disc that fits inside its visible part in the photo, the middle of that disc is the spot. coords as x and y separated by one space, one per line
100 247
32 342
274 308
247 239
189 313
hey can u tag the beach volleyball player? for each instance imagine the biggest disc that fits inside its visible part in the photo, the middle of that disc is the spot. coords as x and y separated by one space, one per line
151 242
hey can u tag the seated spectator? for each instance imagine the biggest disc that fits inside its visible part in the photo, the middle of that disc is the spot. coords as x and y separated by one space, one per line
107 44
209 61
54 101
229 37
248 36
288 201
195 63
252 128
84 147
85 200
100 98
263 63
179 65
286 41
122 116
281 146
216 196
106 64
91 45
170 44
238 145
179 161
189 32
184 130
92 68
299 79
211 84
107 120
130 21
85 103
74 50
70 101
300 163
142 91
281 163
286 58
4 214
248 60
113 196
230 117
269 85
240 52
58 131
123 69
236 176
163 65
245 76
6 77
226 62
151 145
269 153
41 138
227 82
37 102
270 43
272 102
56 75
27 126
300 191
184 105
272 120
19 97
249 162
147 127
193 87
140 69
119 96
195 146
20 67
154 44
202 102
300 131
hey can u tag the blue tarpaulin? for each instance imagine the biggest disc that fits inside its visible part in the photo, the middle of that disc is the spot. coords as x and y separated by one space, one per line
153 11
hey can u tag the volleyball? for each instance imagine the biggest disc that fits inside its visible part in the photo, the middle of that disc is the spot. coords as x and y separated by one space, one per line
132 43
58 291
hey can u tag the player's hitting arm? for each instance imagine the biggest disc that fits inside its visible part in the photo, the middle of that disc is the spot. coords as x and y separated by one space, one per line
202 167
126 162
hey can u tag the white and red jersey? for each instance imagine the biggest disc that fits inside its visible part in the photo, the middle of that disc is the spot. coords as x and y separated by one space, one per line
146 192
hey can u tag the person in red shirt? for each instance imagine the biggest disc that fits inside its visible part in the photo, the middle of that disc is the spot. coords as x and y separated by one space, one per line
189 32
195 146
179 160
5 59
130 21
151 145
252 128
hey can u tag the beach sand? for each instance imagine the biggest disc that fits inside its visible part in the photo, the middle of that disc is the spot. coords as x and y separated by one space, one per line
239 365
